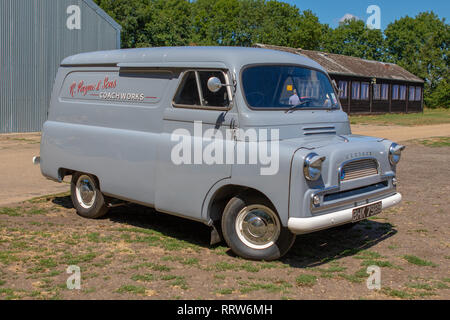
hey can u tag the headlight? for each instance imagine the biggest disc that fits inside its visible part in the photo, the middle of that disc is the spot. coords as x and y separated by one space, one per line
395 152
312 167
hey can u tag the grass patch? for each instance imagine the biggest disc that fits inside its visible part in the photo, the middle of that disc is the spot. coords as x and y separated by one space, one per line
306 280
368 255
225 291
8 294
70 259
428 117
48 263
247 266
143 277
396 293
329 272
381 264
441 285
178 281
185 261
6 257
219 276
419 262
12 212
154 238
278 286
224 266
356 277
435 142
420 286
131 289
152 266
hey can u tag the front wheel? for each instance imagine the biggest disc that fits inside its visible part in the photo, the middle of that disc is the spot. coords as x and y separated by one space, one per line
86 196
252 229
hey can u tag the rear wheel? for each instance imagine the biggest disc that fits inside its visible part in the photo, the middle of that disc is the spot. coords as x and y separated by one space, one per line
252 229
86 196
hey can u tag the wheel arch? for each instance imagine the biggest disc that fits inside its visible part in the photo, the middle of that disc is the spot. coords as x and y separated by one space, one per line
219 198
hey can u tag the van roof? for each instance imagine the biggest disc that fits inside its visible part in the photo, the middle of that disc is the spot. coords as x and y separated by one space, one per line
230 56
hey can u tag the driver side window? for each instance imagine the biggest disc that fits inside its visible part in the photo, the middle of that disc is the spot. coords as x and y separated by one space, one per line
193 91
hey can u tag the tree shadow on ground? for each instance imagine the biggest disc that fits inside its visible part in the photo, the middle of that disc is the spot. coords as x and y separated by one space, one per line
309 250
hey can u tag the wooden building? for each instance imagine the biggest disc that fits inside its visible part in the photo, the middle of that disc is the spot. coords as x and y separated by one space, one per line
367 86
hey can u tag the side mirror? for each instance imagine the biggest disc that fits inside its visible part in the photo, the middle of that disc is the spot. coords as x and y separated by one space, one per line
214 84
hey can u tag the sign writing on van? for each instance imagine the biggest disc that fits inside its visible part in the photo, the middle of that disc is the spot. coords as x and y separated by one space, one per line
103 90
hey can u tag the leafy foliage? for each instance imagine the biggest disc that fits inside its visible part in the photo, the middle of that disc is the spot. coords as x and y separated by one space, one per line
418 44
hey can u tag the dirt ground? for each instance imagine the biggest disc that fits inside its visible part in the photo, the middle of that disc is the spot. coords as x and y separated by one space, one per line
402 133
19 178
137 253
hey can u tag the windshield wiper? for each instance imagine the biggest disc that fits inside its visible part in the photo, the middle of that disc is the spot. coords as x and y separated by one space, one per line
297 106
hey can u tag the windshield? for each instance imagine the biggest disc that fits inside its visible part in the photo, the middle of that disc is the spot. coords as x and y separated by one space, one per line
284 87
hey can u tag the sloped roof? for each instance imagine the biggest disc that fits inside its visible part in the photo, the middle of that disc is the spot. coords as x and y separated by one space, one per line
103 14
345 65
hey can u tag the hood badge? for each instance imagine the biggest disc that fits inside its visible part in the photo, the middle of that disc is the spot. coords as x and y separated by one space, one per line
360 154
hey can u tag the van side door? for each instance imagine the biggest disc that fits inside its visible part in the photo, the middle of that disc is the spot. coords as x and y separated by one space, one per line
197 137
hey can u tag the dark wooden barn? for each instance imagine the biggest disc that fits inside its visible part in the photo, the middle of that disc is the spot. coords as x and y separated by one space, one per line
367 86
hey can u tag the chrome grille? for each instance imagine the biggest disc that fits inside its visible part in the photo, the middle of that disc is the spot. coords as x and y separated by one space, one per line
359 169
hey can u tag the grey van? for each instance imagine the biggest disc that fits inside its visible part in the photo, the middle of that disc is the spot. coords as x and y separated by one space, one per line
118 120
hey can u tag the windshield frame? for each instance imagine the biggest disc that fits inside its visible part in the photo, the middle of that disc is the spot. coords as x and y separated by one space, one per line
241 85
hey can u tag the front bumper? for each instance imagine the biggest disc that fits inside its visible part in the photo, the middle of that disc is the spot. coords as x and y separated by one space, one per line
333 219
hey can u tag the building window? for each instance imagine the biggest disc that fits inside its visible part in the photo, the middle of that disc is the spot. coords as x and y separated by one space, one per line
403 93
395 92
343 87
365 90
377 91
356 86
385 92
418 96
412 90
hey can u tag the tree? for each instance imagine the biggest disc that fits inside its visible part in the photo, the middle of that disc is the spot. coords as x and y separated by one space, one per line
420 45
354 38
245 22
147 23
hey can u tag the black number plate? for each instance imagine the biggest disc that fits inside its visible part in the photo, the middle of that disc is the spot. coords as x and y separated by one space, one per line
366 211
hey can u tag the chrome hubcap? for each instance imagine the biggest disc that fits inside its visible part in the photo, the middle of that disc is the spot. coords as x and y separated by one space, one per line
257 226
85 191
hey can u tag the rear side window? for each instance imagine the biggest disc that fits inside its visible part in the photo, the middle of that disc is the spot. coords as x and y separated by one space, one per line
193 91
188 91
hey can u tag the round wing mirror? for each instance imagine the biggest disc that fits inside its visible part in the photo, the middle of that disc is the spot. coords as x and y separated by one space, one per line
214 84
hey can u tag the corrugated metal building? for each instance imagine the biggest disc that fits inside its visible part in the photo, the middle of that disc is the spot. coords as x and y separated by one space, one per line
367 86
35 36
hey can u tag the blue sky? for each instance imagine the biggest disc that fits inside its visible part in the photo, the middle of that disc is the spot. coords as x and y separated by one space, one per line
330 11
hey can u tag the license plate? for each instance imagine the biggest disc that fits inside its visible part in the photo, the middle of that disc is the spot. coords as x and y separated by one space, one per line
366 211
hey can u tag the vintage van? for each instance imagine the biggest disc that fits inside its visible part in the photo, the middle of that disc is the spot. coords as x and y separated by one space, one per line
249 141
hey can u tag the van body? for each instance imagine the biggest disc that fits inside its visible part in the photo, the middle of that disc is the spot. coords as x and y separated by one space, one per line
135 125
